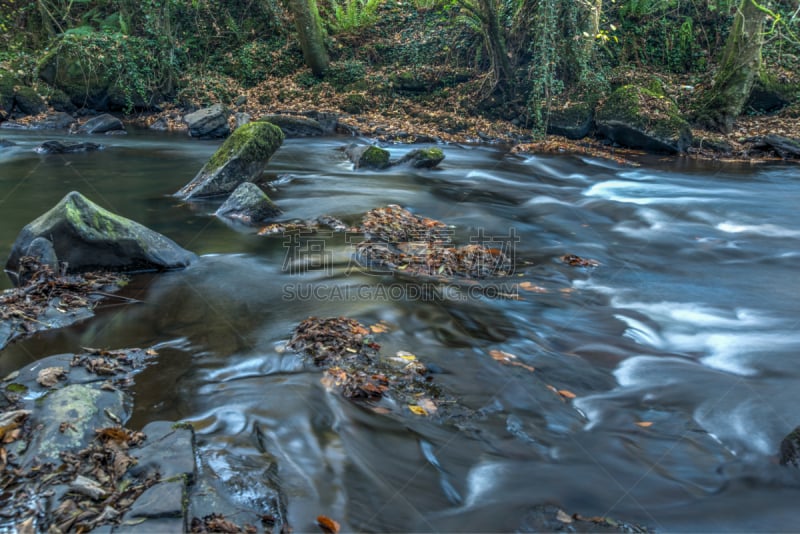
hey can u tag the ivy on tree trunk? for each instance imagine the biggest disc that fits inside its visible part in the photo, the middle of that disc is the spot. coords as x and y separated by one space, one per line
310 34
738 69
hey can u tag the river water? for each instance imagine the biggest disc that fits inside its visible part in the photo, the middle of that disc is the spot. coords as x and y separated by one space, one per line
688 326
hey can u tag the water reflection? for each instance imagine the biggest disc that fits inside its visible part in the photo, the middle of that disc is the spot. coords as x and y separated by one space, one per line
679 347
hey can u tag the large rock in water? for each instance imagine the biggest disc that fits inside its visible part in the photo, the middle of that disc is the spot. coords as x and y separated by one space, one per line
88 237
208 122
241 158
640 118
248 204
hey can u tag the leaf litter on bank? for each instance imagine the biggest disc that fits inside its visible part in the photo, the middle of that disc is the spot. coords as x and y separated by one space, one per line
94 484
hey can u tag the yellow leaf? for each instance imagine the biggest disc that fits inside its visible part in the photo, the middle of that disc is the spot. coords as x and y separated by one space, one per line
151 352
644 424
417 410
406 355
378 328
567 394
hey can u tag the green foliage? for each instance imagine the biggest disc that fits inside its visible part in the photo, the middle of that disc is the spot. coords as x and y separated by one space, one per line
345 73
350 15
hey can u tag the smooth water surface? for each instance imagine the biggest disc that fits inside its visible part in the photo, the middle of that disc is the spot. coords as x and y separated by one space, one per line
690 322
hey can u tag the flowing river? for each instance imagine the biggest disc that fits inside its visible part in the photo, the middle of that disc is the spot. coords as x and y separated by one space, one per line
681 347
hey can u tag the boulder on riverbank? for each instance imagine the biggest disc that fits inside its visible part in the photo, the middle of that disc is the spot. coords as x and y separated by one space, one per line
241 158
57 120
87 237
248 204
295 126
102 124
209 123
636 117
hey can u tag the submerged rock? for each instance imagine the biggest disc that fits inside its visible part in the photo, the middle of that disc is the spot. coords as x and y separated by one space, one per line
790 449
640 118
248 204
210 122
87 237
369 156
57 147
102 124
241 158
47 300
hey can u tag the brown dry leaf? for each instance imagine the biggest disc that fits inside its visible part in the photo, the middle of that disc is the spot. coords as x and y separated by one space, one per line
644 424
506 358
528 286
564 517
428 405
327 525
567 394
378 328
50 376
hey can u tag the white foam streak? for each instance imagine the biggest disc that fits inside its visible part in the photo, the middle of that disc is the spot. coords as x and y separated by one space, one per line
766 230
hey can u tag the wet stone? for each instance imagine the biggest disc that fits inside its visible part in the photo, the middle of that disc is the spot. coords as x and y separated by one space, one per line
169 451
164 499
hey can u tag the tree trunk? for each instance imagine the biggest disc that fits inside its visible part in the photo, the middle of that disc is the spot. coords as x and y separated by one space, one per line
310 33
495 42
738 69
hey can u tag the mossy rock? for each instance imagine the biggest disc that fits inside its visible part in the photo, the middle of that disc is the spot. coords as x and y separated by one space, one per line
29 102
87 237
85 83
8 84
241 158
355 103
573 121
368 156
60 101
639 118
422 158
770 95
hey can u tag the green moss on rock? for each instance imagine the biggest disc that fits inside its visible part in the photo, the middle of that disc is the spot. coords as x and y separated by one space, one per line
640 118
375 157
241 158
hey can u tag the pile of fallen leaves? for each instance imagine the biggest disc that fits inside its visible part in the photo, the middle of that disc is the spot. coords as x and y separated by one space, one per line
306 227
401 242
99 493
394 224
344 347
94 488
332 341
43 288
